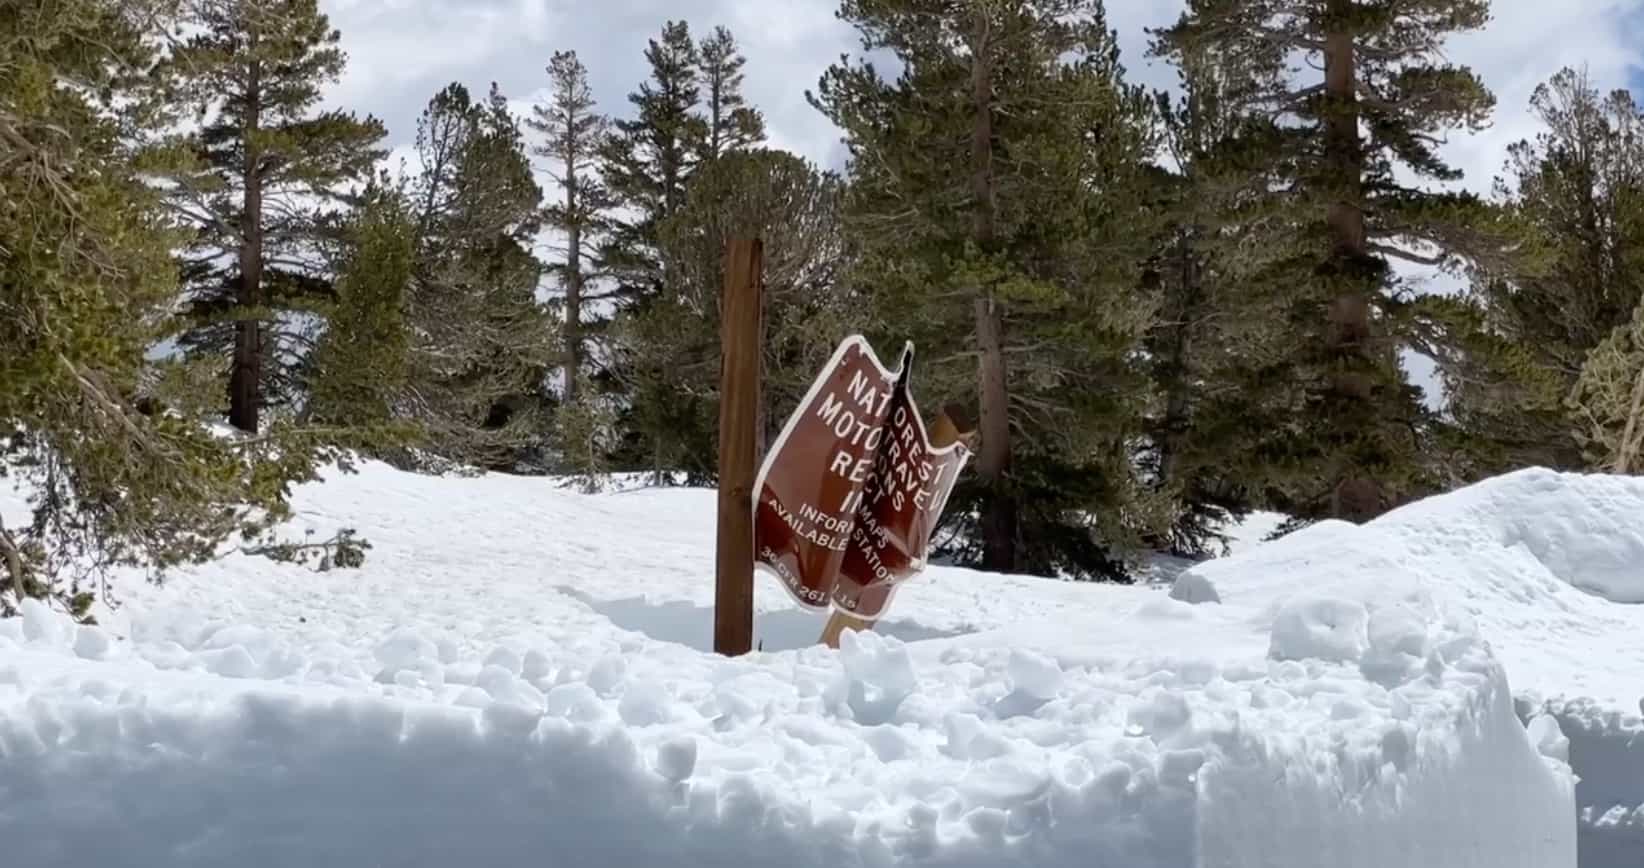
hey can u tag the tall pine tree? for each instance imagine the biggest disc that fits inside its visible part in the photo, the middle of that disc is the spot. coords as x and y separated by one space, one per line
1382 99
572 132
649 157
87 286
798 213
646 163
996 199
253 175
689 114
482 345
1216 330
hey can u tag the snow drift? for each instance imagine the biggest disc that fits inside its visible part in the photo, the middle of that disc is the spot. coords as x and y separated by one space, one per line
511 679
1550 569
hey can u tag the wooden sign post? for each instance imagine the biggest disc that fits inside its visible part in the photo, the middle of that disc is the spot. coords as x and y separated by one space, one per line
739 389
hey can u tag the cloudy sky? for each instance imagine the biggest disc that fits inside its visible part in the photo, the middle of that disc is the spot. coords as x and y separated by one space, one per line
402 51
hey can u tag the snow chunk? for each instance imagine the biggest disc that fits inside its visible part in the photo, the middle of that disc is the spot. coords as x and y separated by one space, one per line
607 674
1193 586
645 704
406 649
676 758
505 658
1158 713
1326 628
1034 675
91 643
506 687
1548 738
41 624
535 666
232 662
878 675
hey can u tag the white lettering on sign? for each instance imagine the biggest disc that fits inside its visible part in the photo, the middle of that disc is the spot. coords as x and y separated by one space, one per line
868 395
854 469
814 526
847 425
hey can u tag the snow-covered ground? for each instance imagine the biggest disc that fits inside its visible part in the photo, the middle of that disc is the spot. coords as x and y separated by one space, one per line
519 674
1550 569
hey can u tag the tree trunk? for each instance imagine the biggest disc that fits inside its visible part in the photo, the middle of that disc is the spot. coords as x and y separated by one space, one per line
572 332
244 385
714 119
14 564
1627 449
1355 497
999 509
1178 390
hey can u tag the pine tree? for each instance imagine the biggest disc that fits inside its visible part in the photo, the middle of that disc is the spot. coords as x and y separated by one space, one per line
797 211
360 363
1608 399
1215 330
483 346
689 114
1576 194
646 163
572 132
251 177
87 283
1380 104
649 158
996 199
732 124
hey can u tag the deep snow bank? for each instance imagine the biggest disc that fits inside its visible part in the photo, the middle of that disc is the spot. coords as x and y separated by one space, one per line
1550 568
511 680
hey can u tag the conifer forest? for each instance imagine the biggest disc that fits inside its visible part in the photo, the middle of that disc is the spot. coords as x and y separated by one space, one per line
1164 308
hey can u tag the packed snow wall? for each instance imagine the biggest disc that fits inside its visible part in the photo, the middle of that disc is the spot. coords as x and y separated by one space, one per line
485 693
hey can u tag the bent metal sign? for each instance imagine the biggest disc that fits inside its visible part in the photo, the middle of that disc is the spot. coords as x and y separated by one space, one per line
850 492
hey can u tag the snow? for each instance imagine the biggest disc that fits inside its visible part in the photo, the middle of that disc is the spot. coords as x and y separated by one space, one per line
519 674
1549 567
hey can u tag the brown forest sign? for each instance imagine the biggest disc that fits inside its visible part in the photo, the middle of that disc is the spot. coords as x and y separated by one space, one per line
851 490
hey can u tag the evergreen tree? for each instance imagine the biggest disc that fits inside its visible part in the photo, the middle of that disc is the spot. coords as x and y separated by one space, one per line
689 114
1215 331
360 363
1380 104
648 159
646 164
996 200
86 286
808 307
1608 399
482 345
251 176
1576 192
572 134
731 124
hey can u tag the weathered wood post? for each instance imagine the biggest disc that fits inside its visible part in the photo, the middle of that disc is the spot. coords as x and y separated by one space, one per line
739 389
